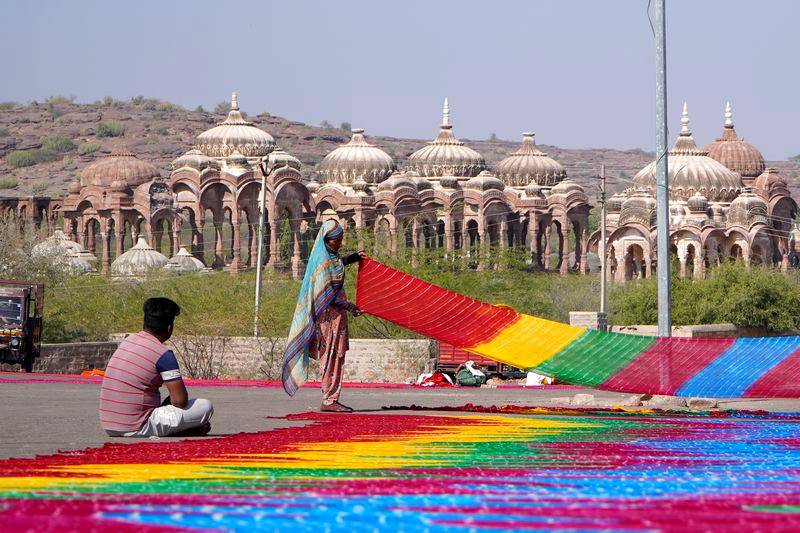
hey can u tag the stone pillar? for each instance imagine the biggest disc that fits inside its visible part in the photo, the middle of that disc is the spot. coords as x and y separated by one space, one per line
682 260
219 259
297 263
547 250
82 232
619 253
584 231
699 263
483 253
415 229
199 248
236 243
502 242
252 242
274 244
564 246
134 233
533 234
177 227
449 234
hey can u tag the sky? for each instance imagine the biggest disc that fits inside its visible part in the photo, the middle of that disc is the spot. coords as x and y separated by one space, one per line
579 73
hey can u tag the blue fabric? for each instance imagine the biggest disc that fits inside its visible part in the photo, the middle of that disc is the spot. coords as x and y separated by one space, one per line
738 367
324 277
167 367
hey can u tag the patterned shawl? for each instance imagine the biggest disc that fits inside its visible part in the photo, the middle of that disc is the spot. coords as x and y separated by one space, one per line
324 275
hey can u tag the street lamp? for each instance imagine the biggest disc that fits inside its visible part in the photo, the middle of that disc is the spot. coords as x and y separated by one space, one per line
265 165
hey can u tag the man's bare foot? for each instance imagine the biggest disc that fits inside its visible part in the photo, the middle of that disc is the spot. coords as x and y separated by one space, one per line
335 407
199 431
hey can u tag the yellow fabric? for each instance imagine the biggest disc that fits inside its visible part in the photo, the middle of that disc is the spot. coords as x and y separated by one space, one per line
528 342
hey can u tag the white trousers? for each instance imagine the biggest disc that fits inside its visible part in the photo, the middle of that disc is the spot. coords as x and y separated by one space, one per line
169 420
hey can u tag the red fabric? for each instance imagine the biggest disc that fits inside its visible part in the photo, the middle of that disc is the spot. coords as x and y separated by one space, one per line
667 364
434 311
776 383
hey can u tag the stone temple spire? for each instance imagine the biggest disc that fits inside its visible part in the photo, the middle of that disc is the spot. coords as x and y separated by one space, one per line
685 131
446 113
728 115
234 101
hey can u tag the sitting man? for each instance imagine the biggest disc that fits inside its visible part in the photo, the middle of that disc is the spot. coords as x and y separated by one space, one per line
130 404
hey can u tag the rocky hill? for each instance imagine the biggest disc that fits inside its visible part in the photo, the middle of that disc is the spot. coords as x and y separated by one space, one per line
45 145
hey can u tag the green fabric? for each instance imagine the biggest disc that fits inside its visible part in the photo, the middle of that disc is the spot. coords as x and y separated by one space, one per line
595 357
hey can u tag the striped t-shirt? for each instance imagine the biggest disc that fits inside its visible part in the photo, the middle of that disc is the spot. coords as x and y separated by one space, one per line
133 376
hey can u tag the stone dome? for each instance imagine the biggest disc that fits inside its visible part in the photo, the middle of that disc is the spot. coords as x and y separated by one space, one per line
748 209
566 186
395 181
235 134
74 187
735 153
770 183
183 262
697 203
280 158
138 261
485 181
79 264
195 159
446 155
119 186
533 190
640 206
529 165
121 165
354 159
58 242
236 159
614 204
691 170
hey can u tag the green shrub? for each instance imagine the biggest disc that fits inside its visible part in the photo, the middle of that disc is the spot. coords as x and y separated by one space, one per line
57 144
222 108
8 183
4 132
110 128
5 106
21 158
88 148
60 100
39 186
199 109
758 297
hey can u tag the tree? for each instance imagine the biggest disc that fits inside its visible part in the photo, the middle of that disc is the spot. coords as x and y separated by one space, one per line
493 137
222 108
325 124
345 126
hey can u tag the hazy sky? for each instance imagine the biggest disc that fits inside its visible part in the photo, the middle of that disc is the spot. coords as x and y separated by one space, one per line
578 73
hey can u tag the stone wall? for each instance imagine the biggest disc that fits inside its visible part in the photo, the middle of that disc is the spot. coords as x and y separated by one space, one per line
71 357
369 360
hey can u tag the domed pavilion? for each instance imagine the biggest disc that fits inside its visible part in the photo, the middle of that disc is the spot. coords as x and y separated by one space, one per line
724 205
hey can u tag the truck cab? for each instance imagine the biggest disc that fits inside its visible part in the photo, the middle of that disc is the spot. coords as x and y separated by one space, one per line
20 322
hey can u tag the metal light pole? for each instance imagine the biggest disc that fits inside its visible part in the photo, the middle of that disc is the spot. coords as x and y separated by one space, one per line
602 316
264 165
662 185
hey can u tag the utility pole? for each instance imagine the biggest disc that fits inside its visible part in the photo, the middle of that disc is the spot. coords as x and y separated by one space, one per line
662 185
265 171
602 316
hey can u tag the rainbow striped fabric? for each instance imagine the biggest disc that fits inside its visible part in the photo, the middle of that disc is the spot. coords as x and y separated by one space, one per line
764 367
401 472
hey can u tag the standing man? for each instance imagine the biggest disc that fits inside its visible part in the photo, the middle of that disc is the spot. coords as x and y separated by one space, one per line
130 403
319 326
